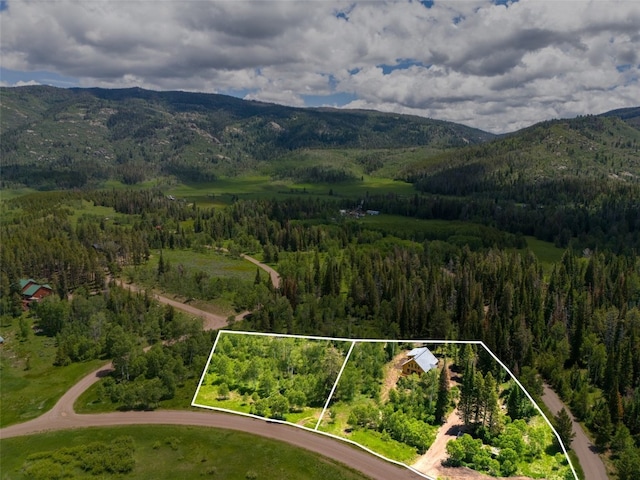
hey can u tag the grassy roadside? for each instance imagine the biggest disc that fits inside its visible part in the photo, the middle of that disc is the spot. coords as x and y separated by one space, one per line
31 384
93 400
169 452
572 455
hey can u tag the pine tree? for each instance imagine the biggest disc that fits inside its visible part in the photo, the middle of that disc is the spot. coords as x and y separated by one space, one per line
491 404
442 401
466 403
564 427
161 266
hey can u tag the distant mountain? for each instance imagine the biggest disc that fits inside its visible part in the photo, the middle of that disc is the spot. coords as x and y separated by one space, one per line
629 115
588 147
58 138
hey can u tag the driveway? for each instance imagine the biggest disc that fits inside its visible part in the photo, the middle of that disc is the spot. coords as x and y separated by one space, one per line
585 450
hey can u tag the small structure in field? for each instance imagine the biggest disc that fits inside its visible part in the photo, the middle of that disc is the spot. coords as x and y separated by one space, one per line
420 360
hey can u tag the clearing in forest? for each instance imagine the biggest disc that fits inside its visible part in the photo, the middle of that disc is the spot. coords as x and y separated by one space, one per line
435 407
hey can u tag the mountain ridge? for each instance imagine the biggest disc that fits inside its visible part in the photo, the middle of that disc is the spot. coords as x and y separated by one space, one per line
68 138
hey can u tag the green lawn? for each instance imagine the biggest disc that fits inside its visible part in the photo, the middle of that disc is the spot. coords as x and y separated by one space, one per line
30 383
169 452
384 445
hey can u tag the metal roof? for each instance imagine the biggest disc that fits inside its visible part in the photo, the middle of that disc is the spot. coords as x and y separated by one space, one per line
424 358
34 288
24 282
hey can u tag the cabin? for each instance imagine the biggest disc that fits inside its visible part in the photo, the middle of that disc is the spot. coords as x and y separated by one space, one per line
33 291
419 360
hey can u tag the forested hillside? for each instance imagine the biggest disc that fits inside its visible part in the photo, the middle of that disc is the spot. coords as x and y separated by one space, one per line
561 181
63 138
578 323
381 226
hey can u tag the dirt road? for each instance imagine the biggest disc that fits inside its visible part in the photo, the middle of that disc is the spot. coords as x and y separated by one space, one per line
210 321
275 277
431 462
585 450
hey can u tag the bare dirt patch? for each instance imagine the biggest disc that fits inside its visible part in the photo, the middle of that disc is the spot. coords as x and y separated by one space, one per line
393 371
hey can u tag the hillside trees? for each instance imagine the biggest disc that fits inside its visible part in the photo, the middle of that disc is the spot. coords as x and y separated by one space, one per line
576 322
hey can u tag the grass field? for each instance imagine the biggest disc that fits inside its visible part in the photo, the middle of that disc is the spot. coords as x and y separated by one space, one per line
547 252
98 212
11 193
222 191
215 264
169 452
30 383
383 445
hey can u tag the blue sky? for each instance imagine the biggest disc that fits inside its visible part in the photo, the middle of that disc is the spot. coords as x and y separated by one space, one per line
494 65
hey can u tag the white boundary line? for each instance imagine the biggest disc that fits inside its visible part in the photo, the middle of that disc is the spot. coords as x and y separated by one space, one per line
566 454
353 342
206 367
335 384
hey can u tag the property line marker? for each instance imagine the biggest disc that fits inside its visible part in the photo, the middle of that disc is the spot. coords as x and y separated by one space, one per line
335 384
353 343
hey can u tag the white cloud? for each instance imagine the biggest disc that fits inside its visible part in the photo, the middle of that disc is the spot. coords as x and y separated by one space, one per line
18 83
490 66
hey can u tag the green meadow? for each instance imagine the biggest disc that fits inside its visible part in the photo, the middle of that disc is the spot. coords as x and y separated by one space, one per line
31 384
224 190
164 452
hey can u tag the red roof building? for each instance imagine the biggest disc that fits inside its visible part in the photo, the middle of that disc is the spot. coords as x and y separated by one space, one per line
32 291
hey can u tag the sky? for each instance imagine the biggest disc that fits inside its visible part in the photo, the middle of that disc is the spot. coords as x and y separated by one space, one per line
494 65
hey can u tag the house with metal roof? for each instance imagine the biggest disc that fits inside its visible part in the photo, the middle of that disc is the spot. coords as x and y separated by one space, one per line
419 361
33 291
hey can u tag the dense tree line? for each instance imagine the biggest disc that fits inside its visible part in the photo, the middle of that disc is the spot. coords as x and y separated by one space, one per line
117 326
578 324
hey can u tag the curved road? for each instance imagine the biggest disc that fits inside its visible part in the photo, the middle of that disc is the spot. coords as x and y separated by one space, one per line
275 277
585 450
211 321
63 416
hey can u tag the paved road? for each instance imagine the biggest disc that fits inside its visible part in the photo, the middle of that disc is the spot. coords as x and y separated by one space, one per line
585 450
62 416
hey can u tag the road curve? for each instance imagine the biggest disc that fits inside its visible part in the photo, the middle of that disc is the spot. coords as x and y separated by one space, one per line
275 277
590 461
211 321
62 416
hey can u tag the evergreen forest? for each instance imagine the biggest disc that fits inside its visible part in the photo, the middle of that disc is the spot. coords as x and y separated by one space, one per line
379 226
